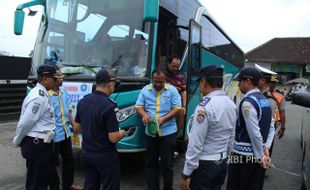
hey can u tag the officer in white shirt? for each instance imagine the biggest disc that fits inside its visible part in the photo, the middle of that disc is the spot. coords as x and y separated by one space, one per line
212 134
35 129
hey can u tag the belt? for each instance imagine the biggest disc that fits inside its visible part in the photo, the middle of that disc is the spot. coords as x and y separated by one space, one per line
211 157
39 135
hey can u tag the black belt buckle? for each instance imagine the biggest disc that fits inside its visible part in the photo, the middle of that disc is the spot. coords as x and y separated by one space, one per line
220 160
36 140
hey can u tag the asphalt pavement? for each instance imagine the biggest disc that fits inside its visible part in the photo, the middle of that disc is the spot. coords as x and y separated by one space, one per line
287 157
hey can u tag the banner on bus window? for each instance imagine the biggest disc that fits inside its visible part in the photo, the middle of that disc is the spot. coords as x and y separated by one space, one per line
76 92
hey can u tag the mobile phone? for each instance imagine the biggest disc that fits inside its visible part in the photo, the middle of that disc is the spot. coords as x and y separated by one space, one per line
130 131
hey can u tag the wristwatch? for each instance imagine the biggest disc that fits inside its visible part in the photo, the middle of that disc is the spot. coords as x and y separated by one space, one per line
183 176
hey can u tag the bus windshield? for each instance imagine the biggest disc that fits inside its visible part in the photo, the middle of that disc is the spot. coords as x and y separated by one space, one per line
82 36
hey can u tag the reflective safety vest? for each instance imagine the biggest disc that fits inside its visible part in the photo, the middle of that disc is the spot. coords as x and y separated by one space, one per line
279 98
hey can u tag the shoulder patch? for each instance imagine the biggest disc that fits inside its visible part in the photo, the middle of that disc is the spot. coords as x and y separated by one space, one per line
41 92
201 116
35 108
246 111
204 101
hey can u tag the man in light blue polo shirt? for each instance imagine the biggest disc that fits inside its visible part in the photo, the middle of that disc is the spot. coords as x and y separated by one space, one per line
62 141
159 102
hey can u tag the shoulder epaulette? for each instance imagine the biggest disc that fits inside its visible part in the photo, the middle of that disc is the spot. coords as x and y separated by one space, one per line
204 101
41 92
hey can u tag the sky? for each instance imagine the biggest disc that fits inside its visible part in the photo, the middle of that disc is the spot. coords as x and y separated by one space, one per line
249 23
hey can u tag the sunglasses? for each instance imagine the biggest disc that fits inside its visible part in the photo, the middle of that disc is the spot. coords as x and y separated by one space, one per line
54 78
116 82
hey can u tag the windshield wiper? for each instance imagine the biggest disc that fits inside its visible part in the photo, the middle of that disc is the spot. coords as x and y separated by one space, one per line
116 63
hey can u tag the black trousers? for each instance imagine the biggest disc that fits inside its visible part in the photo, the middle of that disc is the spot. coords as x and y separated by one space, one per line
37 155
243 173
101 169
263 171
163 148
210 175
64 149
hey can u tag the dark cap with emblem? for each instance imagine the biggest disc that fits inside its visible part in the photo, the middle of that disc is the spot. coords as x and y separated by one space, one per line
106 75
212 71
274 79
249 73
48 71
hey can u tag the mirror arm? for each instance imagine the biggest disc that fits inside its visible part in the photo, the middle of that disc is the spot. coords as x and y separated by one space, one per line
31 3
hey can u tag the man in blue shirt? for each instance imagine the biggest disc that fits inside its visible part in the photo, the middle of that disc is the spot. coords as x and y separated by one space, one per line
62 141
96 117
161 103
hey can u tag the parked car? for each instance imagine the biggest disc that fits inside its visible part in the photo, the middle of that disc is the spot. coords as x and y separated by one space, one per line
303 99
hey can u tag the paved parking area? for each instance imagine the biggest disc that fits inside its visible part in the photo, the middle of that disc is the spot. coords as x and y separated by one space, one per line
286 155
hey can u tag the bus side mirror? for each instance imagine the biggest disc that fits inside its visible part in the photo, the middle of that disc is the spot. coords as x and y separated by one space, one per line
19 22
301 99
151 9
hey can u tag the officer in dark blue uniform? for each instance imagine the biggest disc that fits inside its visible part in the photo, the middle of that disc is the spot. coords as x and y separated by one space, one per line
35 129
96 116
252 131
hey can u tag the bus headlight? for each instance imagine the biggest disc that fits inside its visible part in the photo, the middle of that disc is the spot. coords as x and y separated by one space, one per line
125 113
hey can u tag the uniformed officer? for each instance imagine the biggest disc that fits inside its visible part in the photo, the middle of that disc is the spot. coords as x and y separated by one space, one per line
263 86
252 130
212 134
280 113
35 128
96 116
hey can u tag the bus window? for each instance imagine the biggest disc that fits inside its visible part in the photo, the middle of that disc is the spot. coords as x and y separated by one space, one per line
90 26
117 32
60 10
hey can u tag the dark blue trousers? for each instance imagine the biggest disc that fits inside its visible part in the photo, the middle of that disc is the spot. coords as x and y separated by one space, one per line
210 175
101 169
37 155
243 174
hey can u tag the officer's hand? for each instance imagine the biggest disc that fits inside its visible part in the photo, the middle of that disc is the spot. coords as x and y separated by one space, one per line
280 133
266 152
122 133
265 162
184 184
76 129
269 162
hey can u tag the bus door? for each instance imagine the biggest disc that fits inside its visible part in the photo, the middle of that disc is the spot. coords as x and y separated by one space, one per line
193 67
166 37
194 57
